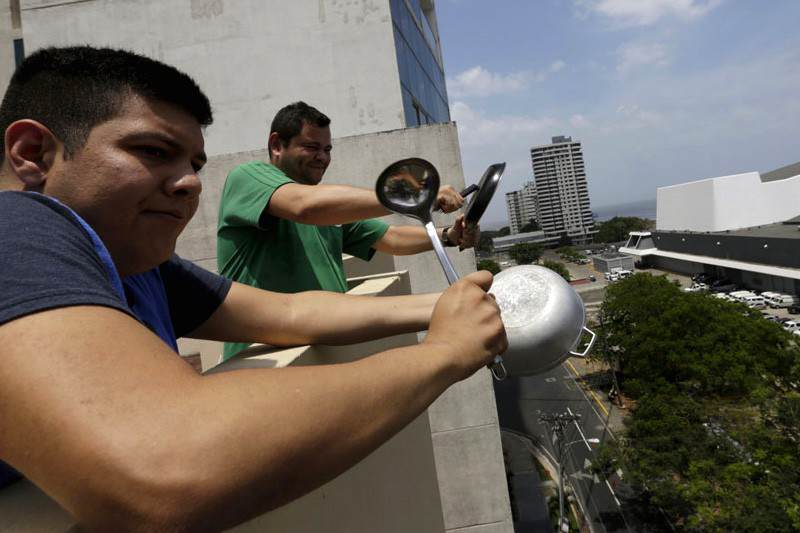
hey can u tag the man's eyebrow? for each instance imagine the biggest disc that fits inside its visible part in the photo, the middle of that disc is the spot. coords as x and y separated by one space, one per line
164 138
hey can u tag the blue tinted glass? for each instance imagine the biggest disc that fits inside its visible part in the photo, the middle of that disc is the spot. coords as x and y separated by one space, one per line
420 73
19 51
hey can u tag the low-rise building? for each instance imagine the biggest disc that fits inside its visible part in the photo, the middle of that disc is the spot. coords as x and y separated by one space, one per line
744 228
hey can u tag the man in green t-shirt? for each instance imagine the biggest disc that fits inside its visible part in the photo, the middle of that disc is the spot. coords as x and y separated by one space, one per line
280 230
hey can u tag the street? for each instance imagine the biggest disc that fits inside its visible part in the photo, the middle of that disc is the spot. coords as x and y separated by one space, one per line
520 402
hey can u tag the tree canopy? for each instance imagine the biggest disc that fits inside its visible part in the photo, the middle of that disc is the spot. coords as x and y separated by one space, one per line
488 264
617 228
526 253
557 267
713 438
532 225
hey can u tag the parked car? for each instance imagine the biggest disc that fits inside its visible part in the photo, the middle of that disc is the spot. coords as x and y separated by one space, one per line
739 296
755 302
782 300
794 309
791 325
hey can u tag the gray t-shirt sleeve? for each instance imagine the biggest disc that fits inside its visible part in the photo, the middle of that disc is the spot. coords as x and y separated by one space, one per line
47 259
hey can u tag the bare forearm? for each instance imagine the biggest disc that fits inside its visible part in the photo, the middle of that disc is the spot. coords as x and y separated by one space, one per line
345 319
313 438
314 317
325 205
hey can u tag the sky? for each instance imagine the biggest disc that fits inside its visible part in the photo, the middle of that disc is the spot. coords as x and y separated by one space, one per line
658 92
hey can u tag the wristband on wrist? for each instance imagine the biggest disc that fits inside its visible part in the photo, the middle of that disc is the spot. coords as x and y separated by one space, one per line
446 238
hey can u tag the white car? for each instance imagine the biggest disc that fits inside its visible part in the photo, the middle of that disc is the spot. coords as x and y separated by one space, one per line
791 325
755 302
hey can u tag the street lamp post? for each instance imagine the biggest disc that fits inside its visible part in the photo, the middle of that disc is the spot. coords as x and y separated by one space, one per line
558 423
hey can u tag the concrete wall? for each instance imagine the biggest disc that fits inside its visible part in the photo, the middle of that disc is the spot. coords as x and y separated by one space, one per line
7 36
251 58
727 202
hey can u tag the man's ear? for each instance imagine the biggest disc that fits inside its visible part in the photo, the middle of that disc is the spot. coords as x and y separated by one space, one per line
31 151
274 145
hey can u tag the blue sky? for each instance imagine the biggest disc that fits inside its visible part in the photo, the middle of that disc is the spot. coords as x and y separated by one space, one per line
658 91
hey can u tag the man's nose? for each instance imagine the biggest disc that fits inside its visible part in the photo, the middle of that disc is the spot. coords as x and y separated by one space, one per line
185 184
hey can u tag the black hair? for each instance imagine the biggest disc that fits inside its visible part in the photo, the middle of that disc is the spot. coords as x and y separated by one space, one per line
289 121
73 89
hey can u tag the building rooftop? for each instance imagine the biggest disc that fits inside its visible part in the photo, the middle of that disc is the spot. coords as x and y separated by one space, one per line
782 173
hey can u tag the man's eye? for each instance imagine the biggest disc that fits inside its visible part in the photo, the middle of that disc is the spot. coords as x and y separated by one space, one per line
154 152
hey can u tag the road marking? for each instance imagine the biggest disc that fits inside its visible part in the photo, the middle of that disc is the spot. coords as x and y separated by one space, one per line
596 399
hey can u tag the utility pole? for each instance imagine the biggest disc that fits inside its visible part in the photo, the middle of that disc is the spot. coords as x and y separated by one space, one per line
558 422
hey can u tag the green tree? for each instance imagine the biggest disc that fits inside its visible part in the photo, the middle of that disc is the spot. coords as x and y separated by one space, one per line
569 253
488 264
617 228
532 225
559 268
485 241
712 438
505 230
526 253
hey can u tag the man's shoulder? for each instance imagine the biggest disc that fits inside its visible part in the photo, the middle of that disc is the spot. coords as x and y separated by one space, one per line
257 169
18 207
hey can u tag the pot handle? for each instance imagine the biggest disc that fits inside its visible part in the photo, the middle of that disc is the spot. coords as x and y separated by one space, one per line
585 352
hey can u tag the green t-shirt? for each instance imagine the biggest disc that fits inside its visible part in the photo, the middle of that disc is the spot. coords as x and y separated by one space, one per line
276 254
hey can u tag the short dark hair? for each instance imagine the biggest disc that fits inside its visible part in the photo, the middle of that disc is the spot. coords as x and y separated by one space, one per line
73 89
289 121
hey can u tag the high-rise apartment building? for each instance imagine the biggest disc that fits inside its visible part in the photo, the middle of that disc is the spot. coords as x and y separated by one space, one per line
523 207
560 178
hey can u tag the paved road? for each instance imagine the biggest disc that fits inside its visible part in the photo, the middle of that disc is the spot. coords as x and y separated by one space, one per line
521 401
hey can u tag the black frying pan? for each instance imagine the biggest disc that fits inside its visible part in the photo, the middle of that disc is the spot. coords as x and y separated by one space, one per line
485 191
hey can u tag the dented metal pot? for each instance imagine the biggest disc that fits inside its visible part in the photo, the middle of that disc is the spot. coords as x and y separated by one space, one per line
544 319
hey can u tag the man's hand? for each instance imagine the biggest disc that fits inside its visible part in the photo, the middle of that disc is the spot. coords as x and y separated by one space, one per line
467 307
462 235
448 199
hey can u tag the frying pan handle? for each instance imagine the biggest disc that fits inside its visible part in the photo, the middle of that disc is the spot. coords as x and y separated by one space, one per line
469 190
466 192
588 346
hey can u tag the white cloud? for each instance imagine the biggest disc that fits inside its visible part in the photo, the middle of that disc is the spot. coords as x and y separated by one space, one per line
474 128
477 81
646 12
633 55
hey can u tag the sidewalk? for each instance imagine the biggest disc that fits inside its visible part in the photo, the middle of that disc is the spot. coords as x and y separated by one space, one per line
595 380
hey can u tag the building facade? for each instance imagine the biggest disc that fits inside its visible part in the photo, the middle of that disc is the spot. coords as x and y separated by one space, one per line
522 206
12 47
370 66
743 228
563 197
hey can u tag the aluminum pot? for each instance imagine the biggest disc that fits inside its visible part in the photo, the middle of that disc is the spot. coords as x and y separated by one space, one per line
544 319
